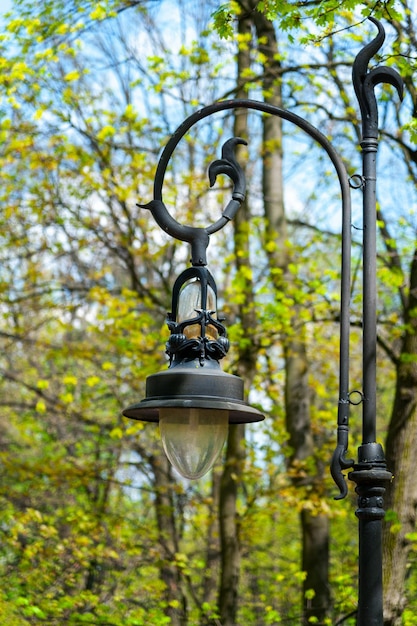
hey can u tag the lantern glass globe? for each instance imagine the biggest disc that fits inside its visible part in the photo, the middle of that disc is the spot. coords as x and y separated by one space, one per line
193 438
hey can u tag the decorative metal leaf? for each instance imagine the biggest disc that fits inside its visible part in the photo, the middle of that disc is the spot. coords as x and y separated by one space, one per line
365 82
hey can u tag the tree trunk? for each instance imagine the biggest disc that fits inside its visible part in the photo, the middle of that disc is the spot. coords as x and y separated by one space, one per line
229 528
176 608
401 444
213 552
316 565
231 477
314 526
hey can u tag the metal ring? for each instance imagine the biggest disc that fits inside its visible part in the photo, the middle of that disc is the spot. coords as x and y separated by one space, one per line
357 181
360 397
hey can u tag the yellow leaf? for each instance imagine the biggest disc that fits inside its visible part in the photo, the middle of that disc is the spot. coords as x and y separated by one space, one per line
62 29
174 604
74 75
40 406
99 13
135 427
116 433
92 381
106 132
70 380
130 113
67 397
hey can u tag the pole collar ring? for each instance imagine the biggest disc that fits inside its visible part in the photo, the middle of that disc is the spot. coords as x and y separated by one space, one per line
357 401
357 181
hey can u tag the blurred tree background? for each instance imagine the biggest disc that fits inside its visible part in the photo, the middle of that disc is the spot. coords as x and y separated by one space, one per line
95 526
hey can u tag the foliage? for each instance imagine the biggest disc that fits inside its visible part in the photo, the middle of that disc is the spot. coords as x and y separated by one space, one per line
290 16
95 528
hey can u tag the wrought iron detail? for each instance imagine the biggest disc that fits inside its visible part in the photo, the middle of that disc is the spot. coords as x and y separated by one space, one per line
339 461
365 81
356 402
199 237
356 181
370 487
181 348
231 167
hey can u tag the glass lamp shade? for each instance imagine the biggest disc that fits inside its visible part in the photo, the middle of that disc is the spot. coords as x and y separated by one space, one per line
190 300
193 438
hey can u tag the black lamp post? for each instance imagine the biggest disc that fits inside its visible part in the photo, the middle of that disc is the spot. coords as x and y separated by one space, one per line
194 400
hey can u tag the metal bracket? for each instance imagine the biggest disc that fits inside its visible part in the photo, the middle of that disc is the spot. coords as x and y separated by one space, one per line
199 237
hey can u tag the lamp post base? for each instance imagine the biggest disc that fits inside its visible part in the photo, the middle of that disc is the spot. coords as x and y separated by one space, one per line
371 476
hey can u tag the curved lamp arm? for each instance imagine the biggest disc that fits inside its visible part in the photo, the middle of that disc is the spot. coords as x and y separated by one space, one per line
199 237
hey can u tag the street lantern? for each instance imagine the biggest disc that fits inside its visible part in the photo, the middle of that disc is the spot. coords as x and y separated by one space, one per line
194 400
